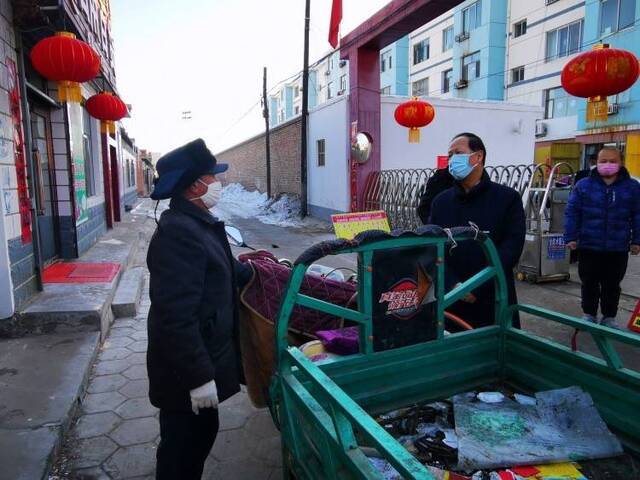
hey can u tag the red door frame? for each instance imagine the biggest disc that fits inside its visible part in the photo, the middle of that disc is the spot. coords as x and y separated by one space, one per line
115 182
106 177
362 48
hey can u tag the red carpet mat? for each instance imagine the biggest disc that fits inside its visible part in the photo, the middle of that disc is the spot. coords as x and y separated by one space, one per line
80 272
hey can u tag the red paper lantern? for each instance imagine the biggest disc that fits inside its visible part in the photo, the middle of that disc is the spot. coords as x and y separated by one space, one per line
108 108
414 114
597 74
67 60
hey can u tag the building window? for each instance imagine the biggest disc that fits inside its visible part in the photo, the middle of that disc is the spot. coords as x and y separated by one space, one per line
343 83
517 74
386 61
320 148
616 15
296 92
471 66
520 28
330 63
565 40
447 79
329 90
472 17
558 103
386 90
89 171
420 88
447 39
297 110
421 51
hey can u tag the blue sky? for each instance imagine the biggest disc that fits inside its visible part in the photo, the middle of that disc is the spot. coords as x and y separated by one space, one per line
207 56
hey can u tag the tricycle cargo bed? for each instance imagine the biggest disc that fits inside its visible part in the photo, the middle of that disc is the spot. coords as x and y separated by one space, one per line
325 410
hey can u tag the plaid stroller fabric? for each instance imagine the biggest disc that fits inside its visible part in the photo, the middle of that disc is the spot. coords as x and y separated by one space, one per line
264 294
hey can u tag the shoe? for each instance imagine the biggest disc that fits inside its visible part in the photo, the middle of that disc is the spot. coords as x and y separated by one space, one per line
589 318
609 322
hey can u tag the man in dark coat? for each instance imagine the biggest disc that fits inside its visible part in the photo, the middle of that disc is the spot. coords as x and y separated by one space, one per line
494 208
192 359
440 181
603 223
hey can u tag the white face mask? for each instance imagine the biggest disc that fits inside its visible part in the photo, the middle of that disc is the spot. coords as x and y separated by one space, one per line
212 196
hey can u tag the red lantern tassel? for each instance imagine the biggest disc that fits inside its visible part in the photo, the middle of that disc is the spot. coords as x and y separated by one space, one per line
69 92
414 135
597 109
108 126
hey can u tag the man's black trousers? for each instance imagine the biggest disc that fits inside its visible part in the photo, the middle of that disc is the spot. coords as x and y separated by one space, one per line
601 274
185 442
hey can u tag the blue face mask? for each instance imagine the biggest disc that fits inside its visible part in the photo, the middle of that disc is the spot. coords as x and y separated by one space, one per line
459 166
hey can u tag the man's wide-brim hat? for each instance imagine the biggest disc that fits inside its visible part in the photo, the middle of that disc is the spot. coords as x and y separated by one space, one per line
181 167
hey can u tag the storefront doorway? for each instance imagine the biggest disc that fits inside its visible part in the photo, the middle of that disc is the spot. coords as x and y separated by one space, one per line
46 185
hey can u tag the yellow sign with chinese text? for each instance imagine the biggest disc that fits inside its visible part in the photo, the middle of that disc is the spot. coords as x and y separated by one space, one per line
348 225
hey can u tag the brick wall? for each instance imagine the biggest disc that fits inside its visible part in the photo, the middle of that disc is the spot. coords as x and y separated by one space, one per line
247 160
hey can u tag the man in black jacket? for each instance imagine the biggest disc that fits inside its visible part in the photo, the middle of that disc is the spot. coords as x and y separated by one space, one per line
494 208
440 181
192 358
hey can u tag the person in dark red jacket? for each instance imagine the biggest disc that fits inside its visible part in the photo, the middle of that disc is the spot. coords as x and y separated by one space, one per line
494 208
603 223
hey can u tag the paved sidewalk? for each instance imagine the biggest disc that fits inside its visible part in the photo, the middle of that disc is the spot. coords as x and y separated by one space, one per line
116 433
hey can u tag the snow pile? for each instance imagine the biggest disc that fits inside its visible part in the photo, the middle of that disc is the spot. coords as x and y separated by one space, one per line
148 207
283 212
240 203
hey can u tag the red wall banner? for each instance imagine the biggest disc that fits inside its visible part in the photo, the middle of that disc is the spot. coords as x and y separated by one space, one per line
19 150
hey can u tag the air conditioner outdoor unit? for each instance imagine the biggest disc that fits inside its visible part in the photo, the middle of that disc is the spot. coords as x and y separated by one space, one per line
462 37
541 129
461 84
342 63
613 108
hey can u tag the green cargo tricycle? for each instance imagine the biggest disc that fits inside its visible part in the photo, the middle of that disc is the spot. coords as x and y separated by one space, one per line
325 412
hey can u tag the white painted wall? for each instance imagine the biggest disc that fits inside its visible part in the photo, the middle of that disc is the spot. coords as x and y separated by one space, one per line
506 129
6 284
329 185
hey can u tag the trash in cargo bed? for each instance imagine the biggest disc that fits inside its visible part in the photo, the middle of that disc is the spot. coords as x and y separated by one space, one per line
486 435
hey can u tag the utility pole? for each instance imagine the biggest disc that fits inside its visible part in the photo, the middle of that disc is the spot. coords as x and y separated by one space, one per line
265 114
305 113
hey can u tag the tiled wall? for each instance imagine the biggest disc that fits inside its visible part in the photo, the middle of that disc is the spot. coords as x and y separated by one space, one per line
92 229
22 271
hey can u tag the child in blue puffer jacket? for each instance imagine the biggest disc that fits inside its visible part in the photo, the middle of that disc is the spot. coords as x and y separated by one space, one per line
603 223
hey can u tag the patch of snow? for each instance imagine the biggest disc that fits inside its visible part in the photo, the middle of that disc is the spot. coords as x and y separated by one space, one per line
148 208
283 212
238 202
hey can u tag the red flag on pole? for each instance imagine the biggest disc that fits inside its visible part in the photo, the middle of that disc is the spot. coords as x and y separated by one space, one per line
336 18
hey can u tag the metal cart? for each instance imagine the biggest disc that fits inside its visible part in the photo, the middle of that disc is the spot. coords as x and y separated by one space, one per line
545 257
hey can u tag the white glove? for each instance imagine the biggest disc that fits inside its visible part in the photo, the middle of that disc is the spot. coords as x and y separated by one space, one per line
205 396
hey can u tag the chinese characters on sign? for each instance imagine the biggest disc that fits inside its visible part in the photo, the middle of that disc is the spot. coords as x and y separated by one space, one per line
18 144
348 225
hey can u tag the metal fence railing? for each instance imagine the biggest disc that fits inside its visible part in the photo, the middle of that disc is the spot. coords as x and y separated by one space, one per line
398 192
